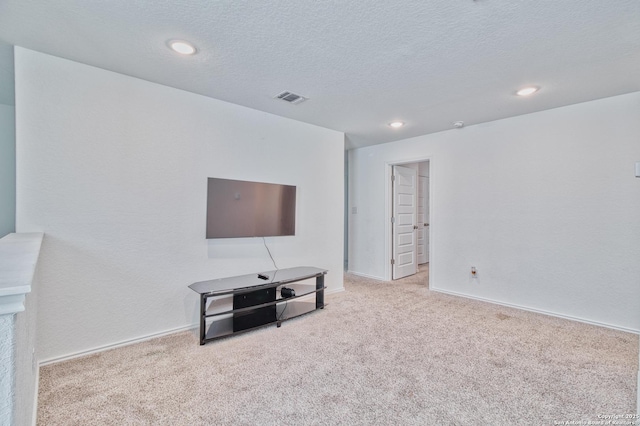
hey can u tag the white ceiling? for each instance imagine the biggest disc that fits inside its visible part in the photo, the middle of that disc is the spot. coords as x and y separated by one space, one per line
362 63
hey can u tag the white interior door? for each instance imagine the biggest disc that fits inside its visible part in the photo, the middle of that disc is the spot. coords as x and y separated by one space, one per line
423 220
404 222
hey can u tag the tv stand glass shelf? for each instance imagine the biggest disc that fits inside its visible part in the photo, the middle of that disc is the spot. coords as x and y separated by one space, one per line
236 304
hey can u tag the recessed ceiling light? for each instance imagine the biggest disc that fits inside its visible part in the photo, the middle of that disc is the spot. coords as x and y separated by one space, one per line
526 91
396 124
182 47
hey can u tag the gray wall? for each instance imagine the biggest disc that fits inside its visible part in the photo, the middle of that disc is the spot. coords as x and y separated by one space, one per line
7 142
7 170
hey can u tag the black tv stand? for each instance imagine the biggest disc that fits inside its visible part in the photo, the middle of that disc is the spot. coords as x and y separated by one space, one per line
236 304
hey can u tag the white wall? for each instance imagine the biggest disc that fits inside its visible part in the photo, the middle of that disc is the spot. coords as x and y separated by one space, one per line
545 205
114 170
18 311
7 170
26 350
7 368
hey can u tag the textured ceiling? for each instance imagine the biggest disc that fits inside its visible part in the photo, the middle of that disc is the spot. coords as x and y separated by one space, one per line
362 63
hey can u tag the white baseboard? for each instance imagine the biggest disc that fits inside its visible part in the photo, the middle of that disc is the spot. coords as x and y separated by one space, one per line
139 339
334 291
366 276
538 311
117 345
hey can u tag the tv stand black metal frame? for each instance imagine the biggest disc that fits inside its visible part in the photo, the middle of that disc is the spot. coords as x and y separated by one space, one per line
242 303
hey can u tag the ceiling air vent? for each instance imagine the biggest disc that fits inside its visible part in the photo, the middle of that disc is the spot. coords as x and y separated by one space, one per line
292 98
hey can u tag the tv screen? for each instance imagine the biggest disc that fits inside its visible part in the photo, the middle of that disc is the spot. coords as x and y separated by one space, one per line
237 209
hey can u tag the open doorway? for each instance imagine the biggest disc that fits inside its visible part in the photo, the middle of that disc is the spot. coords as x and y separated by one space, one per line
408 212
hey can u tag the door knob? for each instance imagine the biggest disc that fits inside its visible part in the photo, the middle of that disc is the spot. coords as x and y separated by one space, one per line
415 226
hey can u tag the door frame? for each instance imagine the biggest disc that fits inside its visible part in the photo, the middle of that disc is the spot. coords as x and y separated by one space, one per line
388 202
421 227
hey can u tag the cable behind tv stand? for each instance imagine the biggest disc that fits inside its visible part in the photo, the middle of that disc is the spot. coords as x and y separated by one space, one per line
242 303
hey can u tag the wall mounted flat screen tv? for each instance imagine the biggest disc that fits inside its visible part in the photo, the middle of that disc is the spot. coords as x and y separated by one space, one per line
238 209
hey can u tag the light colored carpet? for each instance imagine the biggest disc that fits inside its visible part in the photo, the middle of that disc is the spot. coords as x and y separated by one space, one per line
379 354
